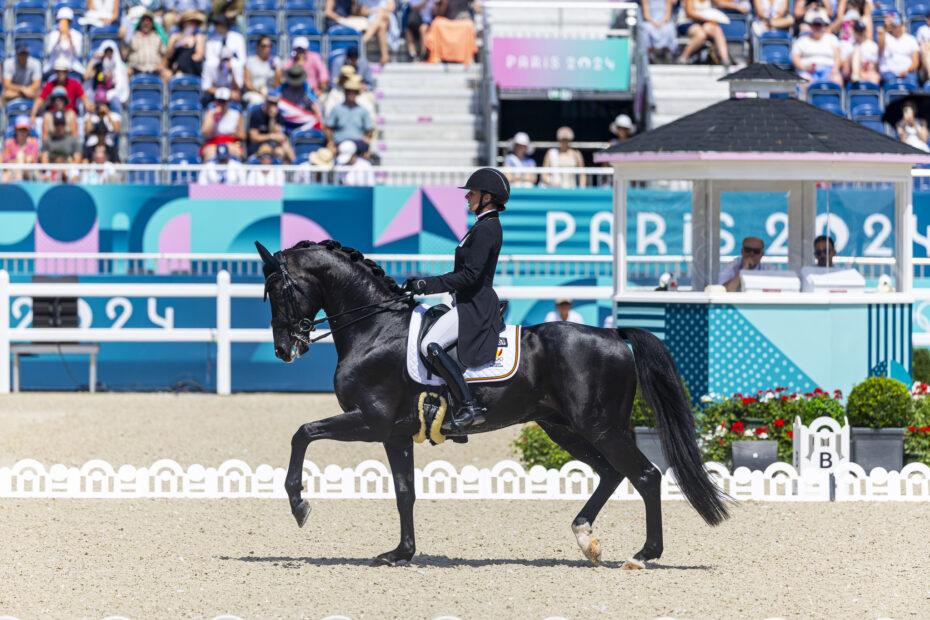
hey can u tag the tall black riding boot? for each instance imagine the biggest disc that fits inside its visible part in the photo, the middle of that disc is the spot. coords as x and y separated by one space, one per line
468 413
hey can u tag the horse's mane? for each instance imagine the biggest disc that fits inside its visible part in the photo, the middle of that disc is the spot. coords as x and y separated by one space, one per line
356 257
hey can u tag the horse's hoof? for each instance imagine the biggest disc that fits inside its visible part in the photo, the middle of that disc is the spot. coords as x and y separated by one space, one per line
390 559
590 547
593 552
633 564
301 512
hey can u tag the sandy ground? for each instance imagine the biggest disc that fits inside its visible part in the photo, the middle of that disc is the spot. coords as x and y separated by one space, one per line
139 429
482 559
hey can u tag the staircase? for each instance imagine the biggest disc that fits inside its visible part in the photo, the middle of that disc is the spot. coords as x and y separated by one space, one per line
679 90
428 114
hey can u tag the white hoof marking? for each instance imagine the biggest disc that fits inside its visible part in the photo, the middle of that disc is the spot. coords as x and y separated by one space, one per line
591 547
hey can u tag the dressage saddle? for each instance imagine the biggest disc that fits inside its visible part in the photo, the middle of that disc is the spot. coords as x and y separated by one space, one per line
429 318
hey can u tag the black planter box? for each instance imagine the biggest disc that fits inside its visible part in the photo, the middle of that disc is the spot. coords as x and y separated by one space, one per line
757 454
878 447
648 442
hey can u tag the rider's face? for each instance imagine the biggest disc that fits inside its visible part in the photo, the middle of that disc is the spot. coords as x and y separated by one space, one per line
474 200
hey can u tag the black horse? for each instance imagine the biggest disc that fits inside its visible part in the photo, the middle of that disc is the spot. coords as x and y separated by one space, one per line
577 382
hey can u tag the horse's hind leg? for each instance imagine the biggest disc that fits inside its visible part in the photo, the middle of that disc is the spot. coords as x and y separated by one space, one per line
400 456
349 426
620 449
579 448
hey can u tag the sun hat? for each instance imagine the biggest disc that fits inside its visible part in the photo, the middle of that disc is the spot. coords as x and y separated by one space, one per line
61 64
522 139
322 157
191 16
222 94
300 43
347 71
273 97
295 75
565 133
852 15
22 121
816 16
265 149
353 82
65 12
622 121
347 149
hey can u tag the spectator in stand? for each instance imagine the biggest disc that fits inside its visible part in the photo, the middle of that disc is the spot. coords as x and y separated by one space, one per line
58 103
102 128
223 39
563 313
176 8
564 156
63 174
227 73
803 8
822 253
451 36
222 168
816 57
337 95
65 43
266 128
381 22
298 105
230 9
419 17
844 27
361 66
310 172
621 127
222 124
60 141
454 9
359 172
21 148
898 52
312 64
336 12
22 74
262 73
771 15
129 23
860 57
104 173
185 47
268 174
923 40
659 29
73 90
519 157
101 13
106 73
705 17
146 47
912 129
750 258
348 120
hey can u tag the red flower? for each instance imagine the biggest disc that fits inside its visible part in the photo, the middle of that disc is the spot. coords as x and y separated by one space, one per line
779 422
781 389
807 394
721 442
748 401
737 427
818 391
723 424
784 398
925 429
760 430
794 394
789 433
912 429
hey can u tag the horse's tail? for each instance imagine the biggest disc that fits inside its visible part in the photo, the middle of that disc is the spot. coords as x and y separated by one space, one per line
661 387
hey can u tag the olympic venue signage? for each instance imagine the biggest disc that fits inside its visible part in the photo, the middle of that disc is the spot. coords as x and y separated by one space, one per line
578 64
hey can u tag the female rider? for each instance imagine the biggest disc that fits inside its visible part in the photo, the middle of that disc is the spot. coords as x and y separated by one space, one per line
474 319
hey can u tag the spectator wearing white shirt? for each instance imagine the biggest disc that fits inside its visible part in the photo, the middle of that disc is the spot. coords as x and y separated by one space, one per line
923 41
771 15
860 57
105 173
223 38
222 170
228 73
64 42
519 157
359 171
750 258
898 52
265 173
816 57
563 312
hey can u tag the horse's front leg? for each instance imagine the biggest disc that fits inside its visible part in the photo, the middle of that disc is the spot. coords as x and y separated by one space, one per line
348 426
400 456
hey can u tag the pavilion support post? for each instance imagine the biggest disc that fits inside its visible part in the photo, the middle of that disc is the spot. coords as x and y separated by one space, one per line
904 235
620 227
705 234
802 220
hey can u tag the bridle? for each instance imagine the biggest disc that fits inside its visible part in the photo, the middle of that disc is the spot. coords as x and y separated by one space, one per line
300 329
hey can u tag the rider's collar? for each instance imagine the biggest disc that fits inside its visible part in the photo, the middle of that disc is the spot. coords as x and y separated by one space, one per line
485 214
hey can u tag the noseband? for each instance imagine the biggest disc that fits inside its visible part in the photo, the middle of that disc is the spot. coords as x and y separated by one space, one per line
300 328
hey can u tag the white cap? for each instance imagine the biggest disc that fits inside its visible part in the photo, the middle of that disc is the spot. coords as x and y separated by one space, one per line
65 12
347 149
625 122
222 94
302 43
522 139
61 64
852 15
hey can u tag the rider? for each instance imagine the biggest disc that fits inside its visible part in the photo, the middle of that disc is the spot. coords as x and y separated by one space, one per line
474 319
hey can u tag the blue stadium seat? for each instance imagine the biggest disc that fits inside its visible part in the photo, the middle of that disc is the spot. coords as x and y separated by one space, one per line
825 94
186 148
863 99
145 81
830 106
29 22
184 125
98 35
335 55
30 4
303 150
737 31
911 6
297 24
147 147
306 141
35 41
184 100
184 82
254 161
343 37
144 126
145 100
775 47
872 122
916 16
261 22
261 5
299 5
897 90
313 37
74 5
18 106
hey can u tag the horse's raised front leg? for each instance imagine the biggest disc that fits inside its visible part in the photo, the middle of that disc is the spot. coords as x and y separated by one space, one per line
348 426
400 456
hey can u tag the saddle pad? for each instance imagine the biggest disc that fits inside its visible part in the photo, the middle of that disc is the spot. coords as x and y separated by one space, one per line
502 368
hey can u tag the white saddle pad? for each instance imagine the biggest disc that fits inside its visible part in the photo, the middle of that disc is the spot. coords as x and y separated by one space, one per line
502 368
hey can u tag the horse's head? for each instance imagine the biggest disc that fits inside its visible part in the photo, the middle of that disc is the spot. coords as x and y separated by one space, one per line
296 297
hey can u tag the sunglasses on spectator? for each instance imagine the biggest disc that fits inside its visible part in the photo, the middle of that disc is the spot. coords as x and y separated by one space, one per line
750 250
820 252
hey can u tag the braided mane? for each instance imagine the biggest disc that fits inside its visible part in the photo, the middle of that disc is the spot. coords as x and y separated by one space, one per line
357 257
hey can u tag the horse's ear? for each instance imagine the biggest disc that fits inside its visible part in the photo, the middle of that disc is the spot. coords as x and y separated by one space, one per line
267 257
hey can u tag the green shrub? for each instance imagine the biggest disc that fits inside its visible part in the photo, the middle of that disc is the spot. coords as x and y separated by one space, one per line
921 362
879 402
534 447
643 415
917 437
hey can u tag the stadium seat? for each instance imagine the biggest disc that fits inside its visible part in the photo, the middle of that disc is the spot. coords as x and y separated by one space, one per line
737 31
872 122
261 22
334 55
184 82
897 90
299 5
35 41
343 37
830 106
260 5
184 125
303 150
145 82
186 148
29 21
145 100
863 99
98 35
297 24
184 100
916 13
825 94
306 141
147 147
18 106
254 161
144 126
775 47
304 29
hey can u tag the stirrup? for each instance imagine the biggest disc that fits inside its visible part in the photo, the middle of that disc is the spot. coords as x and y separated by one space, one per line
468 415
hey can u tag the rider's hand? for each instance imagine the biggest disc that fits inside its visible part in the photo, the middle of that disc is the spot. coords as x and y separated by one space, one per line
417 286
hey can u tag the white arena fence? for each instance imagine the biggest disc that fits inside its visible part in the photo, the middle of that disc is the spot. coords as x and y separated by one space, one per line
507 480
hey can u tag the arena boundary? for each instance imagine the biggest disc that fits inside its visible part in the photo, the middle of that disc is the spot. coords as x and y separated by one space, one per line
507 480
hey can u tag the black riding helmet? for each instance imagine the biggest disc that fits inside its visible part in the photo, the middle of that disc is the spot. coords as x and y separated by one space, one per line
490 181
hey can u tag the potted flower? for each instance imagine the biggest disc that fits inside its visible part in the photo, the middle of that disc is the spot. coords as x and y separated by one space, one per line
879 410
734 430
917 437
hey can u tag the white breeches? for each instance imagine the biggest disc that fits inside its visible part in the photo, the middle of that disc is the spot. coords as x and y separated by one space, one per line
444 331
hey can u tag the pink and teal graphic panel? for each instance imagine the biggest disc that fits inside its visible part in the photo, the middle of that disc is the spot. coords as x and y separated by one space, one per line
578 64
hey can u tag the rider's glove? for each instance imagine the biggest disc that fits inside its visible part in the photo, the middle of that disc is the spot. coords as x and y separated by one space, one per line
417 286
